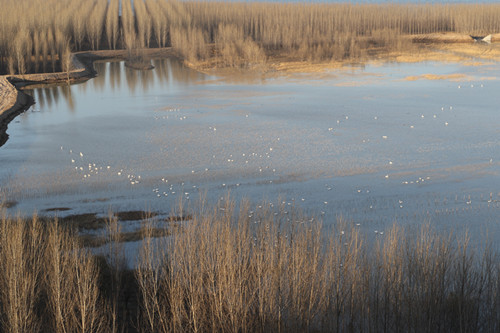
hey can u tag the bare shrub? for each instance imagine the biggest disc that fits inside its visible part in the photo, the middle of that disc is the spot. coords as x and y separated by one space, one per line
245 269
272 270
21 273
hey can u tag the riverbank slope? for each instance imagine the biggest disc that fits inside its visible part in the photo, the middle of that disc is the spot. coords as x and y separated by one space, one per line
13 101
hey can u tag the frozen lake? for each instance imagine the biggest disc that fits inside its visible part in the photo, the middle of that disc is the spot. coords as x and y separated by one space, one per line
377 145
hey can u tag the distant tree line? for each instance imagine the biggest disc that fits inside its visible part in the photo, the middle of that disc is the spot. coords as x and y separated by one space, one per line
38 35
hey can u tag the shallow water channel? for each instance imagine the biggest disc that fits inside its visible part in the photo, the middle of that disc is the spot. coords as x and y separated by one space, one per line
363 143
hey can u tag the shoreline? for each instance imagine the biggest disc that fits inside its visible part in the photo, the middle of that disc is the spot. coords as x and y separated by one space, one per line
446 48
432 47
13 101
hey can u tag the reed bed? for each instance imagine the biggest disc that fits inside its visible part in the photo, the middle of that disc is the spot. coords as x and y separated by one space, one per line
37 35
246 270
48 283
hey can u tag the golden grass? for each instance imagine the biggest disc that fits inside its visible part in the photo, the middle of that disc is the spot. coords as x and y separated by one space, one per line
479 51
37 35
429 56
451 77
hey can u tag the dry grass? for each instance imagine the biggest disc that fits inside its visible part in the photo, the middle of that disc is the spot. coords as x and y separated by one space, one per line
229 269
47 282
453 77
276 271
37 35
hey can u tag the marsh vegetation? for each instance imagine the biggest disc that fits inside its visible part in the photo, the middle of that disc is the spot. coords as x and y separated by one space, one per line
246 269
230 267
39 35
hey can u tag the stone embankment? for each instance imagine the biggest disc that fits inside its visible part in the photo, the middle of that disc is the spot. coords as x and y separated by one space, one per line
8 94
82 69
14 102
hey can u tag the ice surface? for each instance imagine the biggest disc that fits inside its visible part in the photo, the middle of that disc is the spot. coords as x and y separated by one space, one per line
362 143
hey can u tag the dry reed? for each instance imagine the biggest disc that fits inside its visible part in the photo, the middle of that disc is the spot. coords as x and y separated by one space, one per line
48 283
257 31
237 269
273 270
112 23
